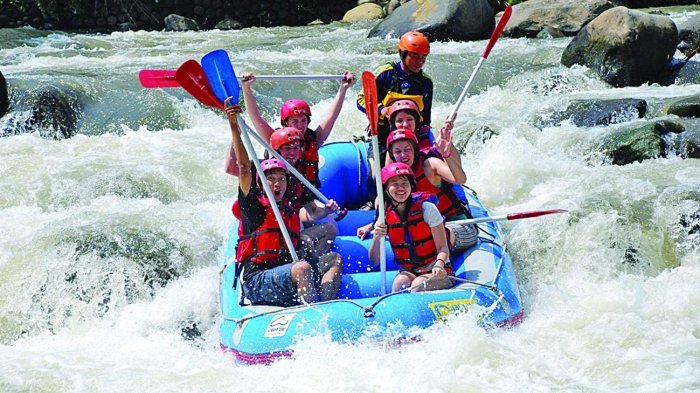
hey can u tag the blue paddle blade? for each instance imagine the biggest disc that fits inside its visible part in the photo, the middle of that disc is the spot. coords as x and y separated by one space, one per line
217 66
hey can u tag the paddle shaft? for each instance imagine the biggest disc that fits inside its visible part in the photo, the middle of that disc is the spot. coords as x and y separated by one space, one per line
268 192
509 217
485 54
381 219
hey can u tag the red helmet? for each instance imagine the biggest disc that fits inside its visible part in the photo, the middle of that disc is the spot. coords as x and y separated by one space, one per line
415 42
401 133
396 169
404 105
285 135
294 107
272 163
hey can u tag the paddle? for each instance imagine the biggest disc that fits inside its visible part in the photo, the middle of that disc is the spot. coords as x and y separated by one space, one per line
166 78
369 85
158 78
492 41
191 77
339 215
510 217
217 66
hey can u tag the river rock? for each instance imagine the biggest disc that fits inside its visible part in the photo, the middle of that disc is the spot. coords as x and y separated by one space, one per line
441 20
366 11
52 112
4 100
174 22
689 34
636 143
687 107
652 3
626 47
597 113
229 24
689 144
566 16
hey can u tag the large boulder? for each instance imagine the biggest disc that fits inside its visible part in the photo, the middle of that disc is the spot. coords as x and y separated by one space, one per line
652 3
4 100
689 34
229 24
596 113
689 143
441 20
626 47
687 107
51 111
565 16
366 11
174 22
635 143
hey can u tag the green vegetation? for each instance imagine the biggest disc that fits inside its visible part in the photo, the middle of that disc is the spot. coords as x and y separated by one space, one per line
49 8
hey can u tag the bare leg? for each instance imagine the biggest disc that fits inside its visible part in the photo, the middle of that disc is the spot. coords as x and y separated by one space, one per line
430 284
331 266
302 277
402 281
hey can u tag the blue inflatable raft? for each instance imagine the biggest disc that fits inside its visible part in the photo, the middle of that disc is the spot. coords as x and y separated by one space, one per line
260 334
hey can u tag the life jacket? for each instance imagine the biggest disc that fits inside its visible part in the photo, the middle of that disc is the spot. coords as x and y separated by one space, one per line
411 239
424 135
265 245
307 164
447 201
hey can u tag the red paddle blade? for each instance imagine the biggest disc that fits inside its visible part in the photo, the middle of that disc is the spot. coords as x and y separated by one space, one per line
158 78
534 213
498 30
369 85
191 77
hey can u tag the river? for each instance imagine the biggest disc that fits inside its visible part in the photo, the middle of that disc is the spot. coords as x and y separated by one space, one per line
111 241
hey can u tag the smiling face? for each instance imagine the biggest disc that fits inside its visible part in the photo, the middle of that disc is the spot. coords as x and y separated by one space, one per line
399 188
404 119
300 122
277 180
290 152
403 151
414 61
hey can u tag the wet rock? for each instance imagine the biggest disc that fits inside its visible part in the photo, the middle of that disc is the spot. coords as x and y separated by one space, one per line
631 144
316 22
441 20
596 113
566 16
127 26
366 11
626 47
189 331
689 34
689 144
691 222
229 24
687 107
4 99
550 32
652 3
174 22
51 111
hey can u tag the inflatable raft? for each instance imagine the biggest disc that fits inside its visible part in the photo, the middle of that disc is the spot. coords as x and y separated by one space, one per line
485 278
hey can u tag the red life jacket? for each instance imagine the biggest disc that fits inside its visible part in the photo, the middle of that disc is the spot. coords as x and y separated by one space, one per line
423 135
448 203
411 239
265 244
307 164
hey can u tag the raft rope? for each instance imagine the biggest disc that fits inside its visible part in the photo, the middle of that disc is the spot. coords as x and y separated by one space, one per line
369 310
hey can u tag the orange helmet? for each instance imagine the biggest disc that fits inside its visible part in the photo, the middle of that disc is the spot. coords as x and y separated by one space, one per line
285 135
415 42
404 105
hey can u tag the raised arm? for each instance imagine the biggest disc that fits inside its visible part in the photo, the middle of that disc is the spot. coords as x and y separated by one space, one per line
324 129
251 105
245 177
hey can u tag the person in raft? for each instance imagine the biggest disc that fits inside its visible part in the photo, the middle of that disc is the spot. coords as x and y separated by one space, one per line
402 80
416 233
269 275
318 233
435 176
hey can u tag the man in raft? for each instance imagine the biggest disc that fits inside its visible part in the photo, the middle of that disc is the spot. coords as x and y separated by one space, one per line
269 275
